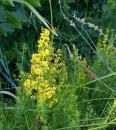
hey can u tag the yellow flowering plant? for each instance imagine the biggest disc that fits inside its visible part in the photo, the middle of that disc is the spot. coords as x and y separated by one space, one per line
46 67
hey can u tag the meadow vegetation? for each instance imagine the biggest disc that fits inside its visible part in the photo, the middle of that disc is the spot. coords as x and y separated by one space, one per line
57 65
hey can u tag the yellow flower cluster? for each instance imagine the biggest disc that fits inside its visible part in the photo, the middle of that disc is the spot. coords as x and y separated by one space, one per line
106 49
42 80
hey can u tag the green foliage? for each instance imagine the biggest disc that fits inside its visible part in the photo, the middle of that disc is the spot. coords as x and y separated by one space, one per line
104 60
78 103
87 98
34 2
11 19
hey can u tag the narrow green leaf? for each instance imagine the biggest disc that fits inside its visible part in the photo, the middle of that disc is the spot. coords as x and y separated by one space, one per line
99 79
8 93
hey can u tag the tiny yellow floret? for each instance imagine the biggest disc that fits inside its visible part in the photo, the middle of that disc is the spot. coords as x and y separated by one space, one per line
41 82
